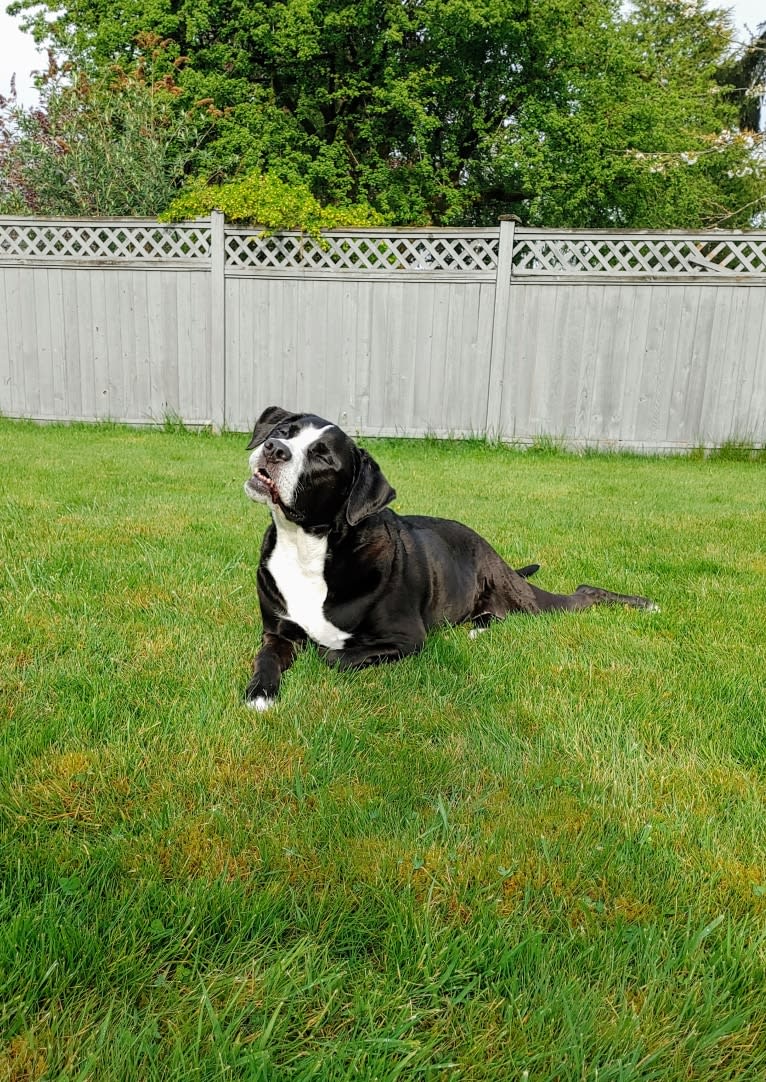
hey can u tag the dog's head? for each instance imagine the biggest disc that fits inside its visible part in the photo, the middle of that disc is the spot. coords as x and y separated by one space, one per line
310 471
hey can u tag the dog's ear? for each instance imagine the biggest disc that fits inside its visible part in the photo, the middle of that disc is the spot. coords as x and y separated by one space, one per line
370 491
270 417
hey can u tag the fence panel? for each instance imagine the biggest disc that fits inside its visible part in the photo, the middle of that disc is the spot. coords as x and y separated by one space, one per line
386 333
101 343
650 341
662 367
381 357
105 320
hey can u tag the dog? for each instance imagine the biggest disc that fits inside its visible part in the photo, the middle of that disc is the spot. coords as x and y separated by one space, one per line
338 567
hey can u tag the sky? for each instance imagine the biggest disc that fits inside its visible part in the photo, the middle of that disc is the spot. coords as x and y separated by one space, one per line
18 54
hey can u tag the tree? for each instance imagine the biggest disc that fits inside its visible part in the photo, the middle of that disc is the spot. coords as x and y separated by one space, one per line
450 111
651 141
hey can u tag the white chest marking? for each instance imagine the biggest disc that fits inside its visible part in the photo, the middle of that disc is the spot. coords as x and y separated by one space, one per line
297 567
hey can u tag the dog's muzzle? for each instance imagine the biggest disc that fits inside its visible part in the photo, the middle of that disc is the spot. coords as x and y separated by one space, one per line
261 485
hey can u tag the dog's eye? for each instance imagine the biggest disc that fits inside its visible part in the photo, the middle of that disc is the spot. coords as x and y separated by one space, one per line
321 450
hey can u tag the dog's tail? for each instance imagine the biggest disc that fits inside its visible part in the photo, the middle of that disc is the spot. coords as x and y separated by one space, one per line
528 571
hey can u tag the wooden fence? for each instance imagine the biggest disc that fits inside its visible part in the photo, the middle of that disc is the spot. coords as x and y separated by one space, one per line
650 341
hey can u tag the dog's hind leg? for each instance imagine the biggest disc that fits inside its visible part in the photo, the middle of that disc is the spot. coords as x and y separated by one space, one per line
508 591
586 596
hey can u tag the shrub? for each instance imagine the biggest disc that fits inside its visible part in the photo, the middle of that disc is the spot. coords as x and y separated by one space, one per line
264 200
114 144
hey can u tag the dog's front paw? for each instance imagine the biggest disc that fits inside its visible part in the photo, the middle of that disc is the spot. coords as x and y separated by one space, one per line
260 703
258 697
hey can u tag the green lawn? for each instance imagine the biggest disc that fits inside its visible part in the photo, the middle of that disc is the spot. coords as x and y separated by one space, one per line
540 855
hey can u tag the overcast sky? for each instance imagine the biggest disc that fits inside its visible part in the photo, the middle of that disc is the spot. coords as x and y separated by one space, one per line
18 54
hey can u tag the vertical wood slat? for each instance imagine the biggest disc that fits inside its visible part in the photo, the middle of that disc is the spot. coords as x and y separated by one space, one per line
217 321
501 327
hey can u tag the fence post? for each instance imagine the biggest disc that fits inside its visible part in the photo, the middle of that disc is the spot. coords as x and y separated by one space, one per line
500 318
217 321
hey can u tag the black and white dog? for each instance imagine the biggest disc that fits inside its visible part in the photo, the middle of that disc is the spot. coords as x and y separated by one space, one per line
365 584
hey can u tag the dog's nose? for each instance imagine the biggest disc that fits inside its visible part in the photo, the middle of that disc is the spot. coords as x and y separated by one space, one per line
277 451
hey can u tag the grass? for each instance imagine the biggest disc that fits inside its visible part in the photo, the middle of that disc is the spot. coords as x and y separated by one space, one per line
540 855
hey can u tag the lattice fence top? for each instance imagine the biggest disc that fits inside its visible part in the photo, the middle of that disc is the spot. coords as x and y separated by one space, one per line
104 240
538 254
363 252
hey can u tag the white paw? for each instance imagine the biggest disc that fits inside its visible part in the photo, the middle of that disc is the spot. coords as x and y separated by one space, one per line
260 703
476 631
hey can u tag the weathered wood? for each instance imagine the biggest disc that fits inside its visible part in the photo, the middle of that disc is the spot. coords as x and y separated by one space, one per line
649 340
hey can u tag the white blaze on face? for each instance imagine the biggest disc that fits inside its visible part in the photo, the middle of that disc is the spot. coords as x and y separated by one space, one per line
289 473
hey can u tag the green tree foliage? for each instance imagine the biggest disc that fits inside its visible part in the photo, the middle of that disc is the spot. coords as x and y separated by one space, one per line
565 112
651 141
